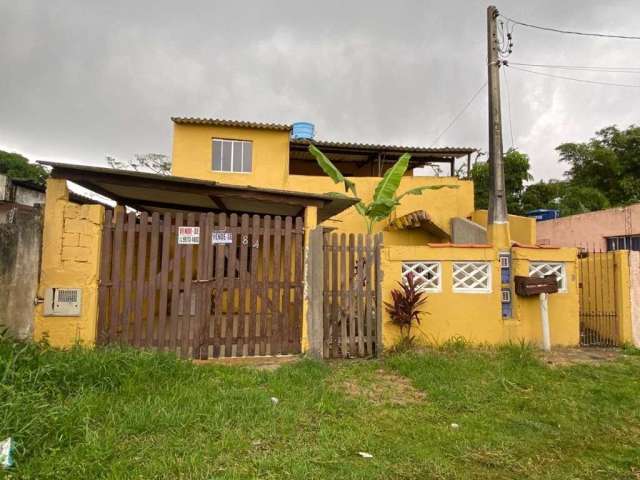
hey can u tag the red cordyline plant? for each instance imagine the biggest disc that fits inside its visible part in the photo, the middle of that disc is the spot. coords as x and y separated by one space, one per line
404 309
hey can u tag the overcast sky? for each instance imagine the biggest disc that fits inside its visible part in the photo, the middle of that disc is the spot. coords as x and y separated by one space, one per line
81 80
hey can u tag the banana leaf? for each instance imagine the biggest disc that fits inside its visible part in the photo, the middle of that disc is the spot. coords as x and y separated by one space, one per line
419 190
331 170
386 189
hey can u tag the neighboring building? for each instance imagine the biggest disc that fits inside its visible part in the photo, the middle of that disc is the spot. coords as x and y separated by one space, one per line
18 195
605 230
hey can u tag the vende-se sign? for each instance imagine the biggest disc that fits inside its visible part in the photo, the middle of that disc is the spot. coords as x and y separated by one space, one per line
221 237
188 235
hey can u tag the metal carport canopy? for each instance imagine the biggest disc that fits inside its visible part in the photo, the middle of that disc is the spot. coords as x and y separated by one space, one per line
159 193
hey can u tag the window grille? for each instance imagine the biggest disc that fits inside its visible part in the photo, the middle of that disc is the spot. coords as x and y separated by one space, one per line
542 269
427 275
472 277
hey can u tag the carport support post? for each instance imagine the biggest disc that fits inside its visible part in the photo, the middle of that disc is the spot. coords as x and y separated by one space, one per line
316 293
544 316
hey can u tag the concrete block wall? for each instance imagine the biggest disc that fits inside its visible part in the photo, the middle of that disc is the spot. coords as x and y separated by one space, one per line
70 259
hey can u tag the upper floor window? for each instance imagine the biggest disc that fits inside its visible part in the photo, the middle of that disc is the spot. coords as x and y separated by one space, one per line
232 155
625 242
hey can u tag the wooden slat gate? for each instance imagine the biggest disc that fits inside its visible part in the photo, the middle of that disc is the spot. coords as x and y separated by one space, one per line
352 303
237 295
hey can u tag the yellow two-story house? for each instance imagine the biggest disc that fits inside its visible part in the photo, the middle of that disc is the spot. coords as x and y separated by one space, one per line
269 155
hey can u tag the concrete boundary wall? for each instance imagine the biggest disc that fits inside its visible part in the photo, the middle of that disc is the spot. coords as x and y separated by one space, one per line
20 244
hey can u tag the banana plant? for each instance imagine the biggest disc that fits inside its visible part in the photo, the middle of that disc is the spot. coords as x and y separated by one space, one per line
385 200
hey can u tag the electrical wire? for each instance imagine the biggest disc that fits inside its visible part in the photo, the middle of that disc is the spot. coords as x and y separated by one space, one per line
572 32
632 70
581 80
464 109
506 83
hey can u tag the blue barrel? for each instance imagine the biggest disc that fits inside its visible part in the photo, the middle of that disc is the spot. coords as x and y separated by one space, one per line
302 130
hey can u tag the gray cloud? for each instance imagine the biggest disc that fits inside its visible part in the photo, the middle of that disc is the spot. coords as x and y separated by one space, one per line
81 80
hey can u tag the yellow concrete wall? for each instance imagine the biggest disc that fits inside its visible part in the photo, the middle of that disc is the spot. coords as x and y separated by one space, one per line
477 316
474 316
192 154
70 258
564 314
522 229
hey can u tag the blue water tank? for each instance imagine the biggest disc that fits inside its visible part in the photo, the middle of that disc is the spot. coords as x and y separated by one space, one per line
302 131
542 214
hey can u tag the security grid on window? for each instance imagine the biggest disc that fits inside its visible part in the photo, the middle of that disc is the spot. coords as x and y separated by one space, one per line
542 269
472 277
427 275
233 156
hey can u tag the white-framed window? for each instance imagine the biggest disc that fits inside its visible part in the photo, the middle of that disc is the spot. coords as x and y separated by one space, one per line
232 155
472 277
542 269
427 275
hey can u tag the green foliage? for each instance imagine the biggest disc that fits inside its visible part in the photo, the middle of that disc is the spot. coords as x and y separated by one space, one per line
121 413
562 195
609 162
17 166
385 200
516 171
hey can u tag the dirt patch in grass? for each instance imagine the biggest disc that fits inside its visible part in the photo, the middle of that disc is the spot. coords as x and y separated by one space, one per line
382 387
560 357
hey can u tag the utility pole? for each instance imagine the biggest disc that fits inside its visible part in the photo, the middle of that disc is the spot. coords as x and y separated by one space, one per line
498 223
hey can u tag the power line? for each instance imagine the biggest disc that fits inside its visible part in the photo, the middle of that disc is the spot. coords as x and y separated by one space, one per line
581 80
572 32
464 109
633 70
506 83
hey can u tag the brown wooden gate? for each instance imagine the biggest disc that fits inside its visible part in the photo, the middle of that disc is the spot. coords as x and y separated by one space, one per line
231 287
352 310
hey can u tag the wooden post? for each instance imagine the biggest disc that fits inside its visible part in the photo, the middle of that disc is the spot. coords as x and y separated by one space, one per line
315 279
544 317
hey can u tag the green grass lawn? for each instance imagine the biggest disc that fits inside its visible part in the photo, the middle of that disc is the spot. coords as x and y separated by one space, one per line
125 414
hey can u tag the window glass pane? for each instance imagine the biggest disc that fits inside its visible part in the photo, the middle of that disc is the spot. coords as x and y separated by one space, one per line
635 244
217 155
246 156
226 155
237 157
611 244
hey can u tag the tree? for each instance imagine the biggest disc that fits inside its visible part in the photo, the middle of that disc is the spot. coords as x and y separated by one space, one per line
154 162
17 166
608 162
516 172
385 200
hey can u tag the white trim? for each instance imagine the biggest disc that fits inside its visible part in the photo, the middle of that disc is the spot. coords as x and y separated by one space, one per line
233 143
480 266
430 267
544 268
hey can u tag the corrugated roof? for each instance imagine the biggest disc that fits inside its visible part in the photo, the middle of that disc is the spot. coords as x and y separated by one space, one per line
387 148
230 123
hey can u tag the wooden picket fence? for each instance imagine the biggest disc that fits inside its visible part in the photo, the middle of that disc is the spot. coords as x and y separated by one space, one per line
352 298
241 296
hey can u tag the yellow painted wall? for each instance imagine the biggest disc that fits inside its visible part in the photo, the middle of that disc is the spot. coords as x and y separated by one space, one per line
564 315
522 229
192 157
70 258
477 316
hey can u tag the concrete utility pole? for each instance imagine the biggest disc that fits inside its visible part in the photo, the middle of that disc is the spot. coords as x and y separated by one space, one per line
497 225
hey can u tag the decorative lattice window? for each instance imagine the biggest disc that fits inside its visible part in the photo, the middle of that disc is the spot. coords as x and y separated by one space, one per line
542 269
472 277
426 275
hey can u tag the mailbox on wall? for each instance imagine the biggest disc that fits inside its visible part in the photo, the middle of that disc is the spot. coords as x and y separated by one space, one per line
533 286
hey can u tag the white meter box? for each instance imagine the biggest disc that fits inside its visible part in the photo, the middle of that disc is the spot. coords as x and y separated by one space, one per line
62 302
